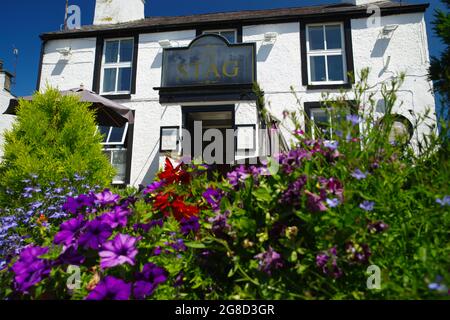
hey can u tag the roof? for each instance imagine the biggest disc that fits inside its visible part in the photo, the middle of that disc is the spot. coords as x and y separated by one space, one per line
157 24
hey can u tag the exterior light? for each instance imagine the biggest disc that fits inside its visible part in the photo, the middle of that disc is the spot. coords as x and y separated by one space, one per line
64 51
270 37
165 44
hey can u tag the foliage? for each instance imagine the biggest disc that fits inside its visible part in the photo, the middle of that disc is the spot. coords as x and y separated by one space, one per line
54 137
305 226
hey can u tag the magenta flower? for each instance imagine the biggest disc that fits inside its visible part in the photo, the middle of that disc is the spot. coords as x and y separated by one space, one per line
95 234
111 288
118 251
69 231
73 205
315 202
269 261
148 280
106 197
30 269
118 217
213 197
328 262
367 205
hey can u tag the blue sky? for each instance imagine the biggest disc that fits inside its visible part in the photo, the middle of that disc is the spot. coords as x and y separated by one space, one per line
23 20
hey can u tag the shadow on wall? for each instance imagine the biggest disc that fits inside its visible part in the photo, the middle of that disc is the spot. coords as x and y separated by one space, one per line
380 48
157 63
153 169
59 67
264 52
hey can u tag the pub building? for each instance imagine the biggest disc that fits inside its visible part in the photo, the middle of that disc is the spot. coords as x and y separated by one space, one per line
176 72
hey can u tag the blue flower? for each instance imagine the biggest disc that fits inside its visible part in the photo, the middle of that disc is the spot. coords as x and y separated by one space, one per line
445 201
333 203
332 145
367 205
359 175
354 119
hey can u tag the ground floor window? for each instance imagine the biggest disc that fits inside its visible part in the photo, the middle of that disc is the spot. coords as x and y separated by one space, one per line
115 148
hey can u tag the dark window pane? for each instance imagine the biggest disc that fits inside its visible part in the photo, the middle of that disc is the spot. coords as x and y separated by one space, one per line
109 80
117 135
229 35
322 122
124 79
335 68
334 39
111 51
104 131
126 50
318 72
316 40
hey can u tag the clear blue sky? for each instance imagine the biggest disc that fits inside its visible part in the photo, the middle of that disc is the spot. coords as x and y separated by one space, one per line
23 20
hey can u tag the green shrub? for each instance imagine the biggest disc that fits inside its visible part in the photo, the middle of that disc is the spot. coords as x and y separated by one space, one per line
54 137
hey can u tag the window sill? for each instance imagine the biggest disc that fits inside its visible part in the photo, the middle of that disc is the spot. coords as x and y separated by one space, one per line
126 96
329 86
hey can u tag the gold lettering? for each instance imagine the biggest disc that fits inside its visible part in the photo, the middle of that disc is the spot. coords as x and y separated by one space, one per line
235 71
213 69
197 69
182 70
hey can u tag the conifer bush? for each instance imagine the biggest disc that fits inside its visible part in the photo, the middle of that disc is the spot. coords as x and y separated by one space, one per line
55 137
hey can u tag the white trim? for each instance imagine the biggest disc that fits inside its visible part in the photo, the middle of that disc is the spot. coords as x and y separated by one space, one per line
219 31
115 65
326 53
122 142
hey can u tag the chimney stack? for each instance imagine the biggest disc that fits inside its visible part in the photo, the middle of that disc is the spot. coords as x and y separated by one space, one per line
118 11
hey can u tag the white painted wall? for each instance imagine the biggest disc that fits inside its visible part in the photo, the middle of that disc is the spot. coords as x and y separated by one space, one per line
5 120
117 11
278 67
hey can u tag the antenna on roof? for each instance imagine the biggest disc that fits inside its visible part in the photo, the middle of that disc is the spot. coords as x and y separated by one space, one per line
16 61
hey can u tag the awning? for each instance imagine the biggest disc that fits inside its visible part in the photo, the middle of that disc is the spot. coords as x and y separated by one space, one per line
109 113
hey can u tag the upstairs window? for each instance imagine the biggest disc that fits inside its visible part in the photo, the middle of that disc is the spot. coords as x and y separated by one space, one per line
325 51
114 146
229 34
117 66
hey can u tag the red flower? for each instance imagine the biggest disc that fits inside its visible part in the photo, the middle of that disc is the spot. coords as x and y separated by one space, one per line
174 175
162 202
182 210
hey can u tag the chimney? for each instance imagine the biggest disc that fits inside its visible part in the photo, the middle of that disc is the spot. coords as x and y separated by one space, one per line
118 11
5 78
361 2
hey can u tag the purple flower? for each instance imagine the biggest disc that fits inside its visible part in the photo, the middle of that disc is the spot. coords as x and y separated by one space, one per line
30 269
69 231
359 175
116 218
237 176
154 187
146 227
327 261
179 245
71 256
332 145
358 253
189 224
354 119
111 288
367 205
333 203
377 227
292 195
106 197
445 201
120 250
148 280
269 261
74 204
220 224
213 197
95 234
315 202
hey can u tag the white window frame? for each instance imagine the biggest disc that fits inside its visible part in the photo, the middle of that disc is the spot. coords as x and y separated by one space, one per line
116 143
219 32
111 150
117 66
326 52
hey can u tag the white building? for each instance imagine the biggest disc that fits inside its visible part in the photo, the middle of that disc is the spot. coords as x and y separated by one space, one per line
171 71
5 97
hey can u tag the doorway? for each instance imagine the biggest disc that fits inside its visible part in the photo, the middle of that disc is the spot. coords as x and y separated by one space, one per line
213 147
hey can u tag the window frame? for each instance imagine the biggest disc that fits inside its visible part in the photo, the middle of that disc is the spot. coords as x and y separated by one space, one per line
219 31
111 150
117 66
161 129
124 137
326 53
